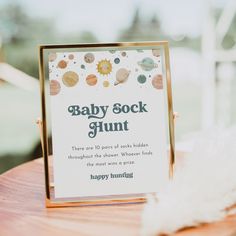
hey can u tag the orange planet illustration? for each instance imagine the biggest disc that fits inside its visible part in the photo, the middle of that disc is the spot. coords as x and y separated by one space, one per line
52 56
91 79
70 79
157 82
106 83
62 64
55 87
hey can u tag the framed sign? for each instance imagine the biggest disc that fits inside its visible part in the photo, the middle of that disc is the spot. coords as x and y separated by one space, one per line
108 110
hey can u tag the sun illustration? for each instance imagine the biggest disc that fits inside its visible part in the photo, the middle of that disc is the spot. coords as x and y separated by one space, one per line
104 67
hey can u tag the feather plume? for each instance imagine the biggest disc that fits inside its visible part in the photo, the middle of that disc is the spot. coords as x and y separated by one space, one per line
202 189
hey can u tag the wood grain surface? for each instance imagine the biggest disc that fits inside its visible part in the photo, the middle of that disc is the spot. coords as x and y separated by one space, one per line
23 213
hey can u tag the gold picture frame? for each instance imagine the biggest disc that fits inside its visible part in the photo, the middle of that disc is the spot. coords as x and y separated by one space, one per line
50 199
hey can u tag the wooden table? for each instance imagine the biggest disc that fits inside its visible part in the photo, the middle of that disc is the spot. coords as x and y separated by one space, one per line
22 212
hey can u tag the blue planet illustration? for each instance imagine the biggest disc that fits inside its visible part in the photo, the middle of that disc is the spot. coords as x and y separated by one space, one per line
147 64
141 79
117 60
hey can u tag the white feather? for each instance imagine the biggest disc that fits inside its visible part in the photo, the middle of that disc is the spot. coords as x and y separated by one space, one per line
201 189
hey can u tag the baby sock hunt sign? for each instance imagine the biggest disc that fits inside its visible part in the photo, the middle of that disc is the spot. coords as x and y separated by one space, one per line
94 112
109 120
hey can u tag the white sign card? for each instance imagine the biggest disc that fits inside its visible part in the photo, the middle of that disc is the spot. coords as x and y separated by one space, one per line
109 120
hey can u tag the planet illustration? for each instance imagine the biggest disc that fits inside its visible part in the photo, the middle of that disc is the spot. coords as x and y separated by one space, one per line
89 58
141 79
122 76
117 60
55 87
62 64
70 79
91 79
147 64
104 67
123 54
71 56
52 56
157 82
82 66
106 83
156 52
140 50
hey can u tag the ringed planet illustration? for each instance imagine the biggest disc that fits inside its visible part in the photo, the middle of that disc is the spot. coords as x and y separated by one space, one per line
70 79
157 82
122 76
104 67
55 87
147 64
89 57
91 79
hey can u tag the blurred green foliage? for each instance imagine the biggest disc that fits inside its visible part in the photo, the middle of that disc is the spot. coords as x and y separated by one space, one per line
21 34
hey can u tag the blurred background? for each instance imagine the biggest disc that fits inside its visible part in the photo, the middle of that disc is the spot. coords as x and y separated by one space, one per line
202 37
